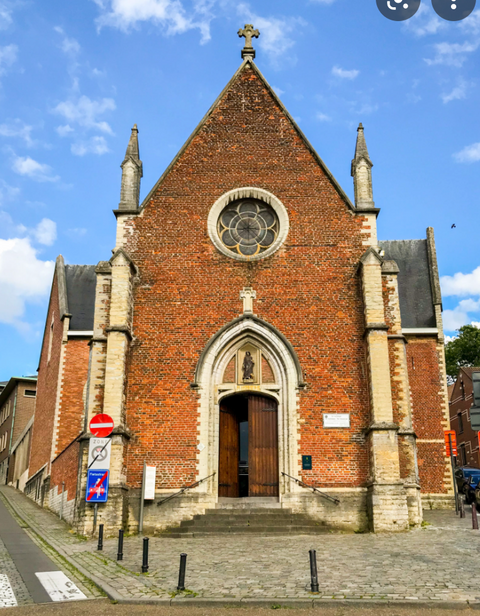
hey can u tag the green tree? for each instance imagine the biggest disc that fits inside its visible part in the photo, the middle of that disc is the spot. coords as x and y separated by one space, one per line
463 351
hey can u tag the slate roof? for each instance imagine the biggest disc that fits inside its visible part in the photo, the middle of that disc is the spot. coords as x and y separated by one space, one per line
81 281
414 288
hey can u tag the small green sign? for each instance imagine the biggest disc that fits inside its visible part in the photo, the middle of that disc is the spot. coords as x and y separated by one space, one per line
307 463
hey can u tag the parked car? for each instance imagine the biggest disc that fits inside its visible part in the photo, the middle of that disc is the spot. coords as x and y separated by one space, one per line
468 479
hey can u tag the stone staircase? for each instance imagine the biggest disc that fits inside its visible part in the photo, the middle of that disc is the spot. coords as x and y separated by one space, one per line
266 518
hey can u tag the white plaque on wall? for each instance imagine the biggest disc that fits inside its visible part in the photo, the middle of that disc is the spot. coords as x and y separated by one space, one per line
150 473
336 420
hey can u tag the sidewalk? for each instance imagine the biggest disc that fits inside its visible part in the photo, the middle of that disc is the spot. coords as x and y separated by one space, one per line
437 565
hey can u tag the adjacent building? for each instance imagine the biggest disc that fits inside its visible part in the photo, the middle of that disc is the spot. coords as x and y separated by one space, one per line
461 399
17 409
62 377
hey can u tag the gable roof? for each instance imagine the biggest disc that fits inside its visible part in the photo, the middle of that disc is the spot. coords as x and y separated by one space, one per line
414 288
249 62
81 281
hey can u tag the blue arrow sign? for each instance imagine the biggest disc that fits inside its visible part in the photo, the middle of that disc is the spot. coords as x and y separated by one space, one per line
97 486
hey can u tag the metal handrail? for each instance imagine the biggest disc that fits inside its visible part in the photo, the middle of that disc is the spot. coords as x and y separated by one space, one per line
313 488
193 485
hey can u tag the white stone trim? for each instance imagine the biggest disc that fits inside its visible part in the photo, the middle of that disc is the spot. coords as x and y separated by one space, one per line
72 334
430 331
212 391
246 193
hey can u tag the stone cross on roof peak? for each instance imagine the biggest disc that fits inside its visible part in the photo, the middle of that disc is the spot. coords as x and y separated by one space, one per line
248 32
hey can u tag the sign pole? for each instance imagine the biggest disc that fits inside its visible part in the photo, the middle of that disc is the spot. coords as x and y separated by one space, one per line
95 511
453 474
140 522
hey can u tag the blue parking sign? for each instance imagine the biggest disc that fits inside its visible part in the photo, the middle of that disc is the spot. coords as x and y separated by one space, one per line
97 486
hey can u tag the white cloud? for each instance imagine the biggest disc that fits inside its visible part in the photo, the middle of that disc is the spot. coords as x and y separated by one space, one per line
63 131
461 284
8 56
95 145
472 24
452 54
23 278
454 319
7 192
17 128
76 232
170 15
45 232
34 170
323 1
323 117
458 93
424 22
278 90
344 74
469 154
69 46
274 40
85 112
5 16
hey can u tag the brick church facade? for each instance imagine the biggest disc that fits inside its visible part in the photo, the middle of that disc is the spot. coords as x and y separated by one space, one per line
250 317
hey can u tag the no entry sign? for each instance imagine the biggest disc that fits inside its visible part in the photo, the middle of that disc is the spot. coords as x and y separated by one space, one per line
101 425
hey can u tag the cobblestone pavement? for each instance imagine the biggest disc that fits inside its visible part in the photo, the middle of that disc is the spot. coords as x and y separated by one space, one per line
438 563
10 580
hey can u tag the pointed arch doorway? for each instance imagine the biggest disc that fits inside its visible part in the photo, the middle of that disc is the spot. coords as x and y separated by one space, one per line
248 452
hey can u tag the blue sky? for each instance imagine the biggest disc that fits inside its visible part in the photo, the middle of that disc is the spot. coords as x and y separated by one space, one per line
75 76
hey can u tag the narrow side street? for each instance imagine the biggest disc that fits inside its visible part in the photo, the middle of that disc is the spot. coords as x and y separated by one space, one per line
27 574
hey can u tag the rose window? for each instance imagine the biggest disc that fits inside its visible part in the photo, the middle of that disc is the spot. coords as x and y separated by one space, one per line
248 227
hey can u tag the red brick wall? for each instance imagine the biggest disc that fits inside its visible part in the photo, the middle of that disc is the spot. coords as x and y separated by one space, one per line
426 386
24 408
65 468
461 401
47 387
187 290
75 372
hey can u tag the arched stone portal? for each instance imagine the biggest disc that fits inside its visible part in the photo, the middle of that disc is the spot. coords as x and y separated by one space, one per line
272 371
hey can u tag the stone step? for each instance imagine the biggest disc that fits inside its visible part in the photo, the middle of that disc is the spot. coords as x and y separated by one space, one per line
246 530
248 511
251 521
258 502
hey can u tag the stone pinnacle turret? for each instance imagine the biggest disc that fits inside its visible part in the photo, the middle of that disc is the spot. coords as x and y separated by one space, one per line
132 172
362 173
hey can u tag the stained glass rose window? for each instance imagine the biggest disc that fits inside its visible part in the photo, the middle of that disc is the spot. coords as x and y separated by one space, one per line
248 227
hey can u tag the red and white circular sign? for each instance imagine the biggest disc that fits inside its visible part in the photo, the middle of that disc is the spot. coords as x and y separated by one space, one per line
101 425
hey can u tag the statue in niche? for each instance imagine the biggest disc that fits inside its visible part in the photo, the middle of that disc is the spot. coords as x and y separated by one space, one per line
248 366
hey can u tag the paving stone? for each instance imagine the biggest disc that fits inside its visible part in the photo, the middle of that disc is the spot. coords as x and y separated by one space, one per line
434 563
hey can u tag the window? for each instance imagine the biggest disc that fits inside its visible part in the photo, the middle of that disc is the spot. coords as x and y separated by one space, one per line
460 423
248 224
463 454
30 393
248 227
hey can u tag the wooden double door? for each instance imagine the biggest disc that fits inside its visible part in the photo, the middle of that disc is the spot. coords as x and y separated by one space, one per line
248 460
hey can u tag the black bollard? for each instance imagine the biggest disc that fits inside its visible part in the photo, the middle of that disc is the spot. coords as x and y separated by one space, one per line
181 573
461 506
100 538
120 545
145 555
313 571
474 516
